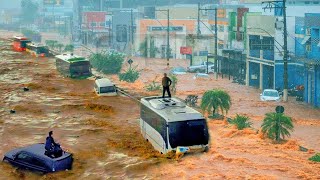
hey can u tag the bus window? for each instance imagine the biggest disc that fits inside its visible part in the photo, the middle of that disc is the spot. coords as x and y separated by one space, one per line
188 133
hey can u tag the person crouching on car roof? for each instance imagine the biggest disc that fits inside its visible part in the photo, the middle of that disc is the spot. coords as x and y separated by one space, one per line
52 148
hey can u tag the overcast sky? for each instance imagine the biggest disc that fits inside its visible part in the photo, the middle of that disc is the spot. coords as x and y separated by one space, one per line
4 4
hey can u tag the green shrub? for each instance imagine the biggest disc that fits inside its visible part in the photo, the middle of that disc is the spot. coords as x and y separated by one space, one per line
107 62
315 158
241 122
131 75
277 125
174 79
153 86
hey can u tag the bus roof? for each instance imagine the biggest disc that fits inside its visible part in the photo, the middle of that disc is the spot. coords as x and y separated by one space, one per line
20 38
104 82
171 109
71 58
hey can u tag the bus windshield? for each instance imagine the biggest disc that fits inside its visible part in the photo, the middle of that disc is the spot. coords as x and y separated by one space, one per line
188 133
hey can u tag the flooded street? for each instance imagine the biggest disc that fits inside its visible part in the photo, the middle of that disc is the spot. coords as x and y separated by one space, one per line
104 136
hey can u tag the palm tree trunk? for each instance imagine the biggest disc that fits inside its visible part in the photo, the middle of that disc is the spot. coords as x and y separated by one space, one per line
278 129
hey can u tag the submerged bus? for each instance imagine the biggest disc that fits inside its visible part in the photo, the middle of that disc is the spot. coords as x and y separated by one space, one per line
73 66
20 43
37 50
169 123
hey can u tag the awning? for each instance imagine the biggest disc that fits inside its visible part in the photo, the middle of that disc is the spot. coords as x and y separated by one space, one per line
305 39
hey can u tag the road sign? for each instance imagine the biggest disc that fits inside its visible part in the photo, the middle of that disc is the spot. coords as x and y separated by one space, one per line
279 109
130 61
203 53
185 50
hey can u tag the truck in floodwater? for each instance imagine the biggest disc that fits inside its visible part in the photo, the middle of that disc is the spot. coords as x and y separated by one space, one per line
167 123
73 66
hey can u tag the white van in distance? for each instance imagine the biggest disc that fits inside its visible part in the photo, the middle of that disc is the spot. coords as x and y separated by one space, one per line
104 87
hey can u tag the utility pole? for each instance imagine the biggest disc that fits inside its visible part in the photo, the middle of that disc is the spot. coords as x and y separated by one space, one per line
131 14
198 29
215 39
168 43
275 5
131 30
168 35
216 43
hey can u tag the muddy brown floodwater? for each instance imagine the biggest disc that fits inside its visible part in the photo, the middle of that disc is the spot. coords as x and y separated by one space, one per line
104 136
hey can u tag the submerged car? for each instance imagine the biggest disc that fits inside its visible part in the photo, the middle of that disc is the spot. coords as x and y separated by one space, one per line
270 95
33 158
201 76
104 87
178 70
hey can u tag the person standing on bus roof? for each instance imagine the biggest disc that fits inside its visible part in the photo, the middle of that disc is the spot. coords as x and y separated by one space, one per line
166 83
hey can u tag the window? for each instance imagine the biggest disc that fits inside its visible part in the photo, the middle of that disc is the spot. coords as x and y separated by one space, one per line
121 33
102 24
213 28
24 157
38 162
308 47
308 31
93 24
155 121
316 2
107 89
188 133
221 28
220 46
307 2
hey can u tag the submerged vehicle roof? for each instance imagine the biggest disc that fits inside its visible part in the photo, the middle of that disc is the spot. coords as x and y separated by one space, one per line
103 82
36 44
171 109
38 150
71 58
20 38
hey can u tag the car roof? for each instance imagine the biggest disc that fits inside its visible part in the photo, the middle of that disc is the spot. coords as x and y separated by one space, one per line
270 90
39 150
104 82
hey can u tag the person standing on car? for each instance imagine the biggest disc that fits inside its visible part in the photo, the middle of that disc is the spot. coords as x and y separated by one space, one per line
166 83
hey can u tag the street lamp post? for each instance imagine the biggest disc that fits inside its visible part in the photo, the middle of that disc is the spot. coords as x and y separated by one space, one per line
215 39
168 34
275 5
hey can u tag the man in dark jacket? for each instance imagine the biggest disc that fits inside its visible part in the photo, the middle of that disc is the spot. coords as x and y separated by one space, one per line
166 83
50 144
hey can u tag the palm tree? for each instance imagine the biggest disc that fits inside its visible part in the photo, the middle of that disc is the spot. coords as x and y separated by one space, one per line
277 125
69 48
215 100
